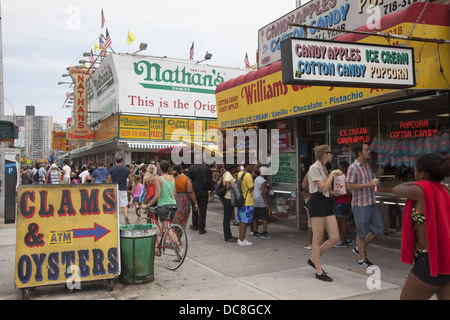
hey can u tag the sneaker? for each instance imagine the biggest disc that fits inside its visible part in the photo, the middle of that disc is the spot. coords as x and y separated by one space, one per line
324 277
244 243
127 221
365 263
341 244
266 236
257 234
349 242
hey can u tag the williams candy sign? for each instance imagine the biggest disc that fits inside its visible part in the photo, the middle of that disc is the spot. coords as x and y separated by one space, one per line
316 62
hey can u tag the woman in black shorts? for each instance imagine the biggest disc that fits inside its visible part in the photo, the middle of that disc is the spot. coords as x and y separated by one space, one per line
321 209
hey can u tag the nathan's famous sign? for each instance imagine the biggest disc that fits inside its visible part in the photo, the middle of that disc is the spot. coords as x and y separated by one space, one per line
317 62
80 131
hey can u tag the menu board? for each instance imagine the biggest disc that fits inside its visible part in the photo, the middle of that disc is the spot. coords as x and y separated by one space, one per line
286 168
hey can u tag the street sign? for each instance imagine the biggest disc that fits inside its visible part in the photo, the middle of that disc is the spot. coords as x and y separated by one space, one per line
66 234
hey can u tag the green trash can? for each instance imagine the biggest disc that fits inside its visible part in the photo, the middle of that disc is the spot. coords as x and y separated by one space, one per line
137 252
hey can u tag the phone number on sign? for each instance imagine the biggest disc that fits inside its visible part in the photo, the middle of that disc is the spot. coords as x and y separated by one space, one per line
391 7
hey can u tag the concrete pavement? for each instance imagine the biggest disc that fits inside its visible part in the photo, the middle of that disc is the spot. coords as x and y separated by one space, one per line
274 269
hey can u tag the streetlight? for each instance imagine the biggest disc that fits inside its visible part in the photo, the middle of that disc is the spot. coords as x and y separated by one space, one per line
142 46
207 57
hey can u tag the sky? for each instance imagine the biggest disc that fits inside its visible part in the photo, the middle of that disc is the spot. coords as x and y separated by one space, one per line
40 39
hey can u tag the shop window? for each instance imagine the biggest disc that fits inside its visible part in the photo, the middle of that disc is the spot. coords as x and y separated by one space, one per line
397 133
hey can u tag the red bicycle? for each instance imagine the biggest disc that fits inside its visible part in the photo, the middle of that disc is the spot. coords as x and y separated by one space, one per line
171 240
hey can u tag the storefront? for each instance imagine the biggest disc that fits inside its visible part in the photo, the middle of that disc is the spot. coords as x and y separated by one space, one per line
138 138
399 124
136 103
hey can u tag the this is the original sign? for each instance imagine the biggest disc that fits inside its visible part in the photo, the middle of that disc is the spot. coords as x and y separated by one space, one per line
316 62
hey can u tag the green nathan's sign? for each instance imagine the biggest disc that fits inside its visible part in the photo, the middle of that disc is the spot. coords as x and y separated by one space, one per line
177 79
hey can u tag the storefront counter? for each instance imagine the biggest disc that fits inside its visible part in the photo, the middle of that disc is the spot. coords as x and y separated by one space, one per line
391 209
283 203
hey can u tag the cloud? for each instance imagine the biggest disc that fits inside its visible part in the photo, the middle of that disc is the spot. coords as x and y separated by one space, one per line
42 38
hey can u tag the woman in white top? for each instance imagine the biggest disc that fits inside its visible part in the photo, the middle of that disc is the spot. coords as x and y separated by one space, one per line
321 209
54 177
228 209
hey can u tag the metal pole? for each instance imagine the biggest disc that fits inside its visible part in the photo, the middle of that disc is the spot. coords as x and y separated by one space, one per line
2 117
378 34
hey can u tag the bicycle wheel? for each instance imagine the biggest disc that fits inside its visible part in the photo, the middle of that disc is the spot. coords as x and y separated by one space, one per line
174 247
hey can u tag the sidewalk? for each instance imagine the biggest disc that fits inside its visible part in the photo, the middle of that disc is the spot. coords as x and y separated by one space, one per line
274 269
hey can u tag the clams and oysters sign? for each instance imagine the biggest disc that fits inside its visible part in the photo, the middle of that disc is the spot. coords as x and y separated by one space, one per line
346 64
66 234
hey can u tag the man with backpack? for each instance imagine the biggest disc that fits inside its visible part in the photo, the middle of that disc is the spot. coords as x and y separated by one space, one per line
245 211
42 174
100 174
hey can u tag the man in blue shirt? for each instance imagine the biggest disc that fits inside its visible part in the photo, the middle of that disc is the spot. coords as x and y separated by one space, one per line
119 174
100 174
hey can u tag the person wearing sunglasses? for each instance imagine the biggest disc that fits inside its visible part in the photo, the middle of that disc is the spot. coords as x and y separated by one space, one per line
321 209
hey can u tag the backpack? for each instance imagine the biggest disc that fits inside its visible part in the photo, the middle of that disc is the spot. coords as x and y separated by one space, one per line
221 191
237 196
36 176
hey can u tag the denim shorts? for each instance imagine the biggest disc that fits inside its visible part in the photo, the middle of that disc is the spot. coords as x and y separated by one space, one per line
163 212
341 209
368 218
245 214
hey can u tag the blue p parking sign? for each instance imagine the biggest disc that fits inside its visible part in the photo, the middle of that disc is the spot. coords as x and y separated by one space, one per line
10 168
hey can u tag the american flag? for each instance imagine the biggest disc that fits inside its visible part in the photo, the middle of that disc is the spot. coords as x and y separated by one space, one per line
102 46
191 52
70 95
103 19
247 64
91 57
101 43
108 40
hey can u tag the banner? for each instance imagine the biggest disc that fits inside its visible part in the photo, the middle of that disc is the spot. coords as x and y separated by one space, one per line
155 87
145 128
80 130
346 64
335 14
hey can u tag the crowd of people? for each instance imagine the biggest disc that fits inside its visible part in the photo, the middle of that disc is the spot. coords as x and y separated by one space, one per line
426 217
425 225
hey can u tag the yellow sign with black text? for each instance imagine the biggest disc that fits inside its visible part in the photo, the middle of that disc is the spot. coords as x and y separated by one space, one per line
66 234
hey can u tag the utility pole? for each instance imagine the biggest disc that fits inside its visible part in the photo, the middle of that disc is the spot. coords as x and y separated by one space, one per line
2 117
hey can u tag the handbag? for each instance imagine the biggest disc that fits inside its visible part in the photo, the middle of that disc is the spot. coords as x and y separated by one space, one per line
221 191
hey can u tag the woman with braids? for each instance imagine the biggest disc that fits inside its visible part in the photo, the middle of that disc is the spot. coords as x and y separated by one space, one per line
426 229
184 195
152 188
